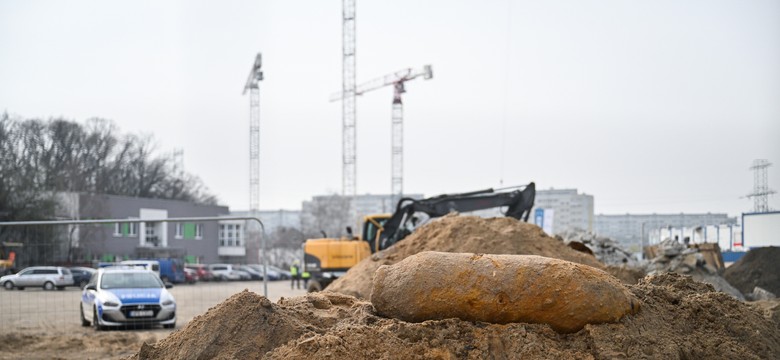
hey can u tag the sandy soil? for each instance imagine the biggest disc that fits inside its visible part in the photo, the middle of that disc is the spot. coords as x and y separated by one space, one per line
680 319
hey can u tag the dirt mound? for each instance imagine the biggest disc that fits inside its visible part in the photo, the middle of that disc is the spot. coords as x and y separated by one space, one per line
680 319
626 274
771 309
759 267
461 234
248 325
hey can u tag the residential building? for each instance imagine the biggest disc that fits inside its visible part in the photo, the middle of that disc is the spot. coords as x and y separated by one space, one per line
570 210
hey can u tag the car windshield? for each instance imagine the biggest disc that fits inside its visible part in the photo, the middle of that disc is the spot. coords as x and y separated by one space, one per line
130 280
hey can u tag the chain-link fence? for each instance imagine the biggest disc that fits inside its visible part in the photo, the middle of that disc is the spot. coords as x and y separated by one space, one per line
49 282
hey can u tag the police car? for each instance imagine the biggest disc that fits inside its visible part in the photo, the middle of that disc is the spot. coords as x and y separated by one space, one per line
127 296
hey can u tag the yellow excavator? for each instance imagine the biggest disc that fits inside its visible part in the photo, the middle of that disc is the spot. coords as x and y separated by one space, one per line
7 257
327 259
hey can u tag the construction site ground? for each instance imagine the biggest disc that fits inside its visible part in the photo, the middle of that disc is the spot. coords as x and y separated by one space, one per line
679 318
53 330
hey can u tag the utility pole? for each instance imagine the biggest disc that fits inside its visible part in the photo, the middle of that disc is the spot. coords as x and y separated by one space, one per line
348 105
255 76
397 80
761 189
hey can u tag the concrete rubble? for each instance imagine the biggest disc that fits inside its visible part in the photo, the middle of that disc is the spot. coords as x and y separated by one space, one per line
606 250
761 294
674 256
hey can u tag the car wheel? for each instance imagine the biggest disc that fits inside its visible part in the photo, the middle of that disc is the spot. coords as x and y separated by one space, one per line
8 285
95 323
84 321
48 285
169 326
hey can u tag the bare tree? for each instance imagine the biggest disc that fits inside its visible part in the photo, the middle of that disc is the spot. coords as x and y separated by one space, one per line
329 214
39 159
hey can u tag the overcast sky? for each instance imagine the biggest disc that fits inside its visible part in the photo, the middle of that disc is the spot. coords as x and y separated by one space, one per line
650 106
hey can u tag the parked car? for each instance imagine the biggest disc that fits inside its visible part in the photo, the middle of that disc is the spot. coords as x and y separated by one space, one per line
169 270
283 274
254 274
127 296
273 275
81 275
243 274
48 277
152 265
226 272
202 270
190 276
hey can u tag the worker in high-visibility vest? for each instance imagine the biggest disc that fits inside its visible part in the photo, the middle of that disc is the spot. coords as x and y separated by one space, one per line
295 275
305 276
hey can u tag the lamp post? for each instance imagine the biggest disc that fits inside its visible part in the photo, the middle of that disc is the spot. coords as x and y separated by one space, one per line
642 242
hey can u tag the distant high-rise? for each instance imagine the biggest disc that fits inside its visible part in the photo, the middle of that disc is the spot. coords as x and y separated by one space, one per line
570 209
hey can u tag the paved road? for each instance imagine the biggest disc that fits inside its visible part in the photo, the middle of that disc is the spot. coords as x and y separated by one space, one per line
36 309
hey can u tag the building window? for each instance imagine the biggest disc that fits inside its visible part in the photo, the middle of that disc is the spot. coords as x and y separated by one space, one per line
230 235
151 237
179 230
125 229
199 231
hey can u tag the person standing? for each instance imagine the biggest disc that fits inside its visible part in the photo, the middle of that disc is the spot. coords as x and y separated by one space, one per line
295 275
305 276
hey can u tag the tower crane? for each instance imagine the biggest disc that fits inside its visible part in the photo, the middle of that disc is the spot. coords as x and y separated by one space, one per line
255 76
397 80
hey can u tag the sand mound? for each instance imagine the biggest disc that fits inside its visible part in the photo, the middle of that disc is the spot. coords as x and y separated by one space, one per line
461 234
759 267
680 319
248 325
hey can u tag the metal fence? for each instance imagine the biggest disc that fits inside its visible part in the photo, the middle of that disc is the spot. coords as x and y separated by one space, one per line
51 243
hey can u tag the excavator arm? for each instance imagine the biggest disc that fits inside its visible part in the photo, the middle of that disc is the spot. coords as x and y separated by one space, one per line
518 205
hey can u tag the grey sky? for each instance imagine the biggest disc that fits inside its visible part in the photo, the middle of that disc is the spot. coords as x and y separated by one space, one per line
651 106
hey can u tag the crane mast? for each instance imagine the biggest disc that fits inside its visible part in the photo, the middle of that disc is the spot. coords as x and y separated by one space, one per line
397 80
348 108
255 76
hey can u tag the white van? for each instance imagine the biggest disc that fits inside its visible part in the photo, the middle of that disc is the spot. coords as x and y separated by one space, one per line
152 265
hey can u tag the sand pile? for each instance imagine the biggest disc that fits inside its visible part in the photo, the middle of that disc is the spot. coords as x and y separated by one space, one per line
680 319
462 234
759 267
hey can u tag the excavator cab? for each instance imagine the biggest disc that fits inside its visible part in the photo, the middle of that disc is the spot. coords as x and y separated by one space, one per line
373 226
